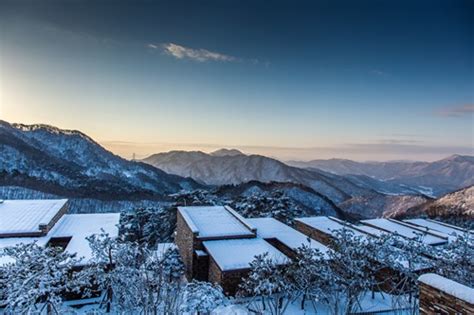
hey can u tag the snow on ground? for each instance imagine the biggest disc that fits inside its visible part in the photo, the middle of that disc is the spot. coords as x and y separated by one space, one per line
403 230
272 228
239 253
25 216
380 302
214 221
448 286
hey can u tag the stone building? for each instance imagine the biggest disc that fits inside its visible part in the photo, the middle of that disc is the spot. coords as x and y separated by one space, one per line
47 223
439 295
30 218
324 230
218 245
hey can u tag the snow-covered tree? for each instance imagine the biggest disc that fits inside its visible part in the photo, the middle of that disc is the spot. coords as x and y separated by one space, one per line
350 272
268 283
104 256
307 274
456 260
202 297
405 257
148 226
134 277
36 278
275 204
196 197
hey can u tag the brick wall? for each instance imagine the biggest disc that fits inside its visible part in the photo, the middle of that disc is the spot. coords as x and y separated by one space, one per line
215 274
228 280
281 247
185 241
64 209
434 301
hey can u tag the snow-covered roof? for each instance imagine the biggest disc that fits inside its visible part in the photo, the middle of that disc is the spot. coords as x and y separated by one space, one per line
448 286
215 221
76 226
370 230
404 230
329 225
239 253
25 216
452 232
272 228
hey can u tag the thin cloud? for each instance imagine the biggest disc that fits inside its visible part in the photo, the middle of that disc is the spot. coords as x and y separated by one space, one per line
379 73
459 111
199 55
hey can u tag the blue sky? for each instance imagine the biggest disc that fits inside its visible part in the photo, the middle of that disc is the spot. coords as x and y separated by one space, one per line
366 80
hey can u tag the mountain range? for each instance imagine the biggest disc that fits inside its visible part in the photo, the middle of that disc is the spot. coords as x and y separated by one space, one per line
458 204
39 161
69 163
432 178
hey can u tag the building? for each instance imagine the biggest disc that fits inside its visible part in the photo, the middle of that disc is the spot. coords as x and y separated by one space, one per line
439 295
217 244
46 223
324 229
283 237
30 218
448 231
407 230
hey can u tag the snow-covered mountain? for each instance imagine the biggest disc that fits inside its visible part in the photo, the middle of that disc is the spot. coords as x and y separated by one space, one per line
379 205
69 163
434 178
237 168
458 204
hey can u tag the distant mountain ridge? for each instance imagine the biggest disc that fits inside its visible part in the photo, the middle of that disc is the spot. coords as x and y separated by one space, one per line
458 204
222 169
68 162
434 178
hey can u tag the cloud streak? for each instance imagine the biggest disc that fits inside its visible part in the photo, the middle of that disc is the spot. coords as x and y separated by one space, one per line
199 55
459 111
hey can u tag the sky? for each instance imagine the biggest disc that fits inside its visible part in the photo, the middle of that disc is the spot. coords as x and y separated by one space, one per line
300 80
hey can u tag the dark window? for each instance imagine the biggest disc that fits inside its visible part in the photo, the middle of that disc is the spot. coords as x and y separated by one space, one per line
61 242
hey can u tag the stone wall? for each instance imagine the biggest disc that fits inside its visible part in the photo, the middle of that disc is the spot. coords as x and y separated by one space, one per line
64 209
281 247
313 233
185 241
228 280
435 301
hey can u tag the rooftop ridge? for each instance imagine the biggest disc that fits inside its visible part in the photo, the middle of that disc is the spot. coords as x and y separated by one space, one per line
421 229
241 219
449 225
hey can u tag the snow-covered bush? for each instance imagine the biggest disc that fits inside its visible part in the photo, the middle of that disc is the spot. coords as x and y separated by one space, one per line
268 283
148 226
133 277
455 261
202 297
196 197
36 278
307 273
275 204
350 273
